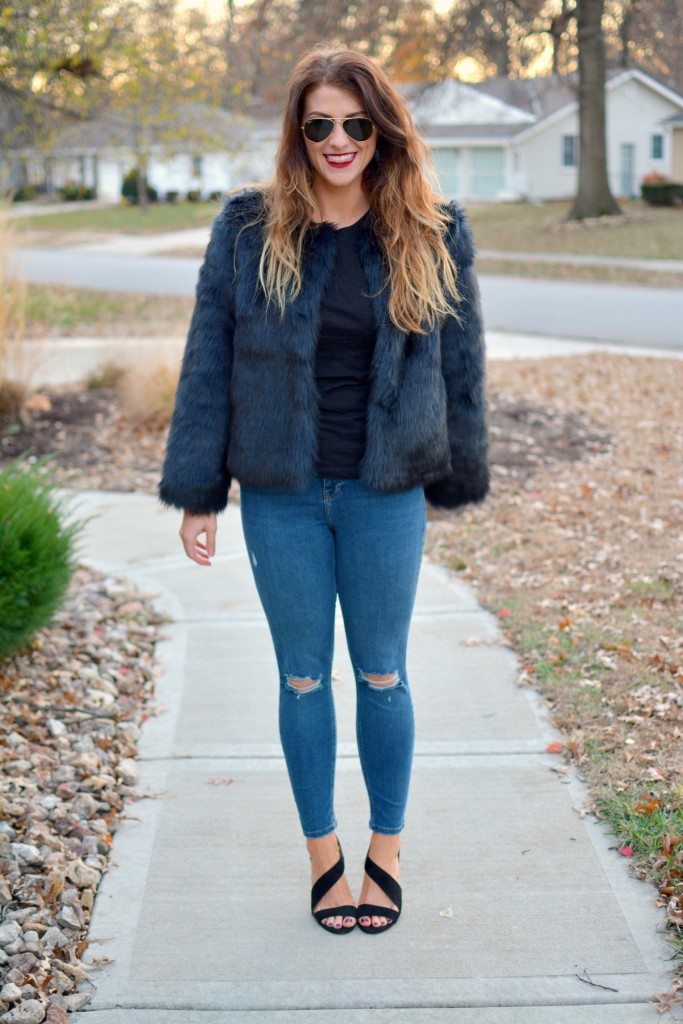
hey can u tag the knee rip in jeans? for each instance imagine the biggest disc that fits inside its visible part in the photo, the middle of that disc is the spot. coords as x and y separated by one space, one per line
379 681
303 684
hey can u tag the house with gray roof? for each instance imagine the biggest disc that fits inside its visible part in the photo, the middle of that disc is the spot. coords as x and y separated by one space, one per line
507 138
196 148
500 139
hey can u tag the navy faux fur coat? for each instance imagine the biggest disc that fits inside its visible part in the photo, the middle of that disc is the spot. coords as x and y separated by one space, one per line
247 405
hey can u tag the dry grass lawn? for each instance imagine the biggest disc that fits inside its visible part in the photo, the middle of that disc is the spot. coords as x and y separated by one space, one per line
582 560
644 232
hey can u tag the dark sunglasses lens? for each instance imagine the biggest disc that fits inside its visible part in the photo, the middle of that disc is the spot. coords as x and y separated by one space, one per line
318 128
358 128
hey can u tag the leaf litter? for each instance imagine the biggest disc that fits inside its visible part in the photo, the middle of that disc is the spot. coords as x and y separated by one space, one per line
578 550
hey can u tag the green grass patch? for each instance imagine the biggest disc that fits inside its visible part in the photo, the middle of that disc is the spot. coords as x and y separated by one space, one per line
650 827
129 220
646 232
52 309
657 588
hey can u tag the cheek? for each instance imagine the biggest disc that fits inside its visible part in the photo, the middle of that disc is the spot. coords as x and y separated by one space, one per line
369 153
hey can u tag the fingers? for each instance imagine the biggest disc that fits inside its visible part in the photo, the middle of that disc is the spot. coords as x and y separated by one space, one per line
211 537
192 528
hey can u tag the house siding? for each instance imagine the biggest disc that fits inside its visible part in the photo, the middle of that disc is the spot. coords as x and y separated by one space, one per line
635 113
677 154
541 174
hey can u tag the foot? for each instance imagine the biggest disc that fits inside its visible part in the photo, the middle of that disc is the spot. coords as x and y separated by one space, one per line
384 851
324 852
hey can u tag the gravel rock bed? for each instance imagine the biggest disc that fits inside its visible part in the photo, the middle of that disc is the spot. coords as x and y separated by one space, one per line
71 707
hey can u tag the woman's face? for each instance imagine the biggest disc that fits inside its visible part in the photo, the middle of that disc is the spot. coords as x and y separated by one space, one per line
338 160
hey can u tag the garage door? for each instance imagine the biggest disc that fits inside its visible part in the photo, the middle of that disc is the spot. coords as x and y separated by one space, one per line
488 172
447 165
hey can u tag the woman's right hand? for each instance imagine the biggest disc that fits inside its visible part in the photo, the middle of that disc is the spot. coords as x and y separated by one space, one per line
192 529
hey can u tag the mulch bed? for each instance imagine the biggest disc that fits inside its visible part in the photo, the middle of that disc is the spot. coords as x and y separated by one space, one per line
92 445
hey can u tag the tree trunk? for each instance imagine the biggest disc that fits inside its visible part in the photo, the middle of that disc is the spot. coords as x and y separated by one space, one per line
143 194
593 198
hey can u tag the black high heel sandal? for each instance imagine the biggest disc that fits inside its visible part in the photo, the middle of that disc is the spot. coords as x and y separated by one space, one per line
322 886
392 889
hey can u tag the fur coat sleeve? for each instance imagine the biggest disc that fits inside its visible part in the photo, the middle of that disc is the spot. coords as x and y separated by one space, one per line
195 477
463 368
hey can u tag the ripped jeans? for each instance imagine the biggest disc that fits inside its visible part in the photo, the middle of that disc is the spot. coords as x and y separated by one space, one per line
340 537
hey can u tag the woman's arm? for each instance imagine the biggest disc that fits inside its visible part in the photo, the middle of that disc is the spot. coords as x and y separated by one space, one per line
195 472
463 367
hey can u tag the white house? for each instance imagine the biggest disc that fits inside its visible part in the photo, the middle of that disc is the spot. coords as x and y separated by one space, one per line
498 139
509 138
200 149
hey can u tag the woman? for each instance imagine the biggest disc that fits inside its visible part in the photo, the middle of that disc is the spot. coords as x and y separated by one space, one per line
335 368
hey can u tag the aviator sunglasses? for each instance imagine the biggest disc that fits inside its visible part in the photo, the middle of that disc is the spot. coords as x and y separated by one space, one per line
317 129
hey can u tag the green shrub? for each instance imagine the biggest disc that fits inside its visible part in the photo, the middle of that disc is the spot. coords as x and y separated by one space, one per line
72 193
23 194
172 195
194 196
37 554
662 193
129 188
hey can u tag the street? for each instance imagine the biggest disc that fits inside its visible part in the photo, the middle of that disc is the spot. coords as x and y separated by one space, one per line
630 315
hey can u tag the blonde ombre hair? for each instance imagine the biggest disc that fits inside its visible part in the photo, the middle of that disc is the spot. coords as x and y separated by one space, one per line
408 218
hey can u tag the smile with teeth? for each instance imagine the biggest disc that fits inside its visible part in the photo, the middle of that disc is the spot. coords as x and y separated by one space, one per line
340 159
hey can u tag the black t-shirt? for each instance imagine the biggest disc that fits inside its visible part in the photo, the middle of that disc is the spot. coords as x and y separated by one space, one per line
346 343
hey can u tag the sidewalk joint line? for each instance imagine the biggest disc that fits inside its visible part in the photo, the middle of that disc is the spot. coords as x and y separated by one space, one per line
342 757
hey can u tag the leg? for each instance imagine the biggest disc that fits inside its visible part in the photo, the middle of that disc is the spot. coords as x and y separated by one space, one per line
291 551
379 550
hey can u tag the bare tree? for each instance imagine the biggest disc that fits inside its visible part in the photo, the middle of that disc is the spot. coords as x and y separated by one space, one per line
593 198
558 28
646 33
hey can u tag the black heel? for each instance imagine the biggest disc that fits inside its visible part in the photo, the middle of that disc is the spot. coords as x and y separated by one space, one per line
392 889
322 886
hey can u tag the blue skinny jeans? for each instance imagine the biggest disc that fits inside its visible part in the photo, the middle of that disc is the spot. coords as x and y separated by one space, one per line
340 537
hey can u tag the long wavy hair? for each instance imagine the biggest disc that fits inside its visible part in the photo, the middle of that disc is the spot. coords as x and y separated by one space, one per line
408 216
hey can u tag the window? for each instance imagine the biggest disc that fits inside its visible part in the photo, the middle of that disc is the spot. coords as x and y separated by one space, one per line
657 147
197 166
570 150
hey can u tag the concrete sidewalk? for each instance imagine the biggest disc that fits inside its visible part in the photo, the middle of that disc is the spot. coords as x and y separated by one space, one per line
55 361
509 894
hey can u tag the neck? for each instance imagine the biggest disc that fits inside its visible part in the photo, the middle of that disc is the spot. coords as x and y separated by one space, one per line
340 206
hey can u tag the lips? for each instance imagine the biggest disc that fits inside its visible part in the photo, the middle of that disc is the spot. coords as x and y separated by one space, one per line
340 160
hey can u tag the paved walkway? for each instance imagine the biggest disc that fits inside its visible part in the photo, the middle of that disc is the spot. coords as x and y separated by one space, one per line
67 360
510 896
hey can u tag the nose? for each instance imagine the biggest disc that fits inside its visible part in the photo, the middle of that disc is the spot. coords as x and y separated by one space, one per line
339 137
